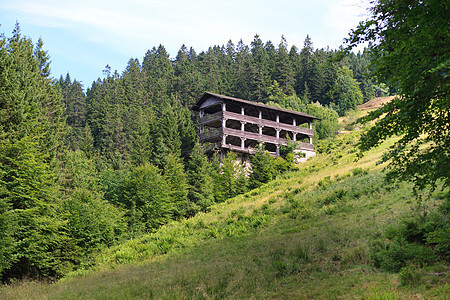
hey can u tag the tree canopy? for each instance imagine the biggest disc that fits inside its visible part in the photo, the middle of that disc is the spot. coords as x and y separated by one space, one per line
80 171
410 45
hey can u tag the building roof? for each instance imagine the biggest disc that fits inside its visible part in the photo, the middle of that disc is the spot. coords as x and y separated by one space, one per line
197 105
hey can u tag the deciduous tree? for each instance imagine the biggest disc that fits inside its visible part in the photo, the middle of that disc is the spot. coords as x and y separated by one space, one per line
410 52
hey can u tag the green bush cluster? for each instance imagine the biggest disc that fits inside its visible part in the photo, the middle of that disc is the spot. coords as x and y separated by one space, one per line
419 240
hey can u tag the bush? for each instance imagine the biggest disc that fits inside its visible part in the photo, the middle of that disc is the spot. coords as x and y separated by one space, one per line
359 171
392 257
417 239
410 276
262 168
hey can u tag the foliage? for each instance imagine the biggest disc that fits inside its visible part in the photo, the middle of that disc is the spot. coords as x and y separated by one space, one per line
146 198
324 128
346 91
83 171
35 235
393 257
411 239
33 243
409 52
201 186
327 126
230 179
280 239
178 186
410 275
91 221
262 168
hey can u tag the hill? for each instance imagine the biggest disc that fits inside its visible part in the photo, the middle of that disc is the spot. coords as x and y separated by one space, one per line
375 103
310 233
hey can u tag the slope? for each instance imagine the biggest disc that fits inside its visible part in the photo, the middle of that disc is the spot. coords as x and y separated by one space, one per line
307 234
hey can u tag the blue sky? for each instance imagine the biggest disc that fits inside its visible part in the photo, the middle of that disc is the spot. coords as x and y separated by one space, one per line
83 36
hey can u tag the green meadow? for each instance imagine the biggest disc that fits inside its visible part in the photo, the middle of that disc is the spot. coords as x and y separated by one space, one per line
309 234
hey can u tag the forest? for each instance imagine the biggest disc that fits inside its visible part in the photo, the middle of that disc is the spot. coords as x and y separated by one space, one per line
82 169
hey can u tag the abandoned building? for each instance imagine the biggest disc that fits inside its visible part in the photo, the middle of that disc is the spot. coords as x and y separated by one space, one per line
232 124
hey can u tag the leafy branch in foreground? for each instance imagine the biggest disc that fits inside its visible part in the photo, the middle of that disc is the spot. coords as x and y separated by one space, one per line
410 52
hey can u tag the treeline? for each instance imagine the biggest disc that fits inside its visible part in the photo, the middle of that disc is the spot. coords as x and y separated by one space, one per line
153 98
81 171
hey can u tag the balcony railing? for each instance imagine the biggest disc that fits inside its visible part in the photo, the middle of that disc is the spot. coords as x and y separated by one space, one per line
210 133
210 117
254 120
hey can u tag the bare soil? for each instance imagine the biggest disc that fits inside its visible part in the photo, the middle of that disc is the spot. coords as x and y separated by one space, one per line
375 103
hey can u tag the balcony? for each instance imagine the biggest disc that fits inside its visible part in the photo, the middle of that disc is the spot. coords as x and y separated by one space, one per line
207 118
215 135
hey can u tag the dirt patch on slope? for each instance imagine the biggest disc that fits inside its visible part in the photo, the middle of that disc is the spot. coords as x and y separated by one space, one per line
375 103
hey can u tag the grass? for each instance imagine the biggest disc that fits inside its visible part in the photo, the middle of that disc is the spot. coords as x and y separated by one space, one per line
305 235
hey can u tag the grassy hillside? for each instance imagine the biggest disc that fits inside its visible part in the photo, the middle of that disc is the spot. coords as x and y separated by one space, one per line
307 234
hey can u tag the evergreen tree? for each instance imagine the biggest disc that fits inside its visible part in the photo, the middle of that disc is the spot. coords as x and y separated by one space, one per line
210 71
177 186
259 69
242 70
36 231
200 179
188 79
262 168
187 131
230 180
75 110
141 139
167 129
284 70
345 91
91 221
271 54
159 73
31 131
304 70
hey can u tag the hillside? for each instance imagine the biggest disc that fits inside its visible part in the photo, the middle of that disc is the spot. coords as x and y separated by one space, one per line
308 234
375 103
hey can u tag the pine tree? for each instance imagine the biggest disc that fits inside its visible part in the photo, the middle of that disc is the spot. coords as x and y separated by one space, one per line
177 186
200 180
345 91
259 70
91 221
31 130
285 73
262 168
187 131
230 180
159 73
304 73
210 71
188 79
243 61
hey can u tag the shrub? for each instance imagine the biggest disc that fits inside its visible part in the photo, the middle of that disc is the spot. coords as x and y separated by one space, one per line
417 239
410 276
359 171
262 168
394 256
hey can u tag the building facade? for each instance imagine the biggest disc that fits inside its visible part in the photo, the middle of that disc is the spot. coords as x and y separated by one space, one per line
238 125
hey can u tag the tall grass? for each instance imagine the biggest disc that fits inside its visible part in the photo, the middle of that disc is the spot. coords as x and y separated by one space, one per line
304 235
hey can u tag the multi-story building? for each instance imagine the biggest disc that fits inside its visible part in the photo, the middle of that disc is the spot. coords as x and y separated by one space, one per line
228 123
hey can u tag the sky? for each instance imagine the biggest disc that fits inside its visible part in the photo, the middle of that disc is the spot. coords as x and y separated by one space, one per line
83 36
